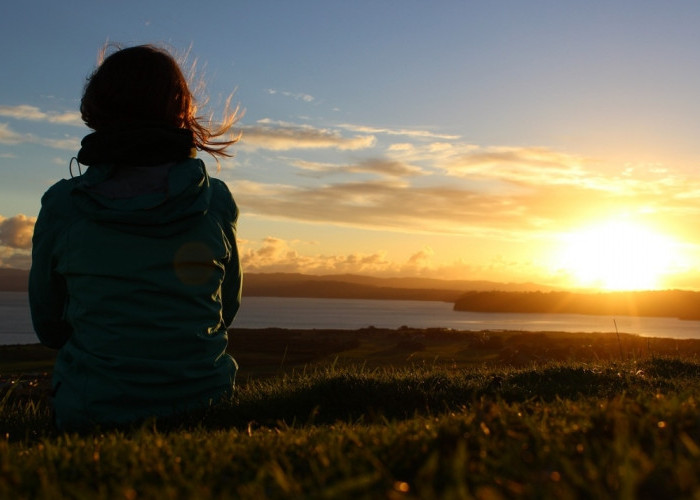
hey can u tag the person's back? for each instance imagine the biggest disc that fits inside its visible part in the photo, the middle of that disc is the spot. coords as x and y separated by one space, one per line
135 273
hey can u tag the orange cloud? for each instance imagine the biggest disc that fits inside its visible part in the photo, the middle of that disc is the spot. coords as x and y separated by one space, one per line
414 133
278 255
384 204
16 231
377 166
16 241
17 259
509 207
282 136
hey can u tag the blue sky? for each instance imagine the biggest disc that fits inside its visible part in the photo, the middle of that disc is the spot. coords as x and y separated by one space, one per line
449 139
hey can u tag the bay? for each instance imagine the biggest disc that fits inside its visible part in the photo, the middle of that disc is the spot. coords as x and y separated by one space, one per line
351 314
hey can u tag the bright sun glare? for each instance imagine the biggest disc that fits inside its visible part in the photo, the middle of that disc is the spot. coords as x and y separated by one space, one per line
617 255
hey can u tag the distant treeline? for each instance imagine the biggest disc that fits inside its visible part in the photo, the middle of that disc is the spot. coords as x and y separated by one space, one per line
667 303
13 280
343 290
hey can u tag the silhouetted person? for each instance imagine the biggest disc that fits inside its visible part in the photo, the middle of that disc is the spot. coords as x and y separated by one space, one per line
135 272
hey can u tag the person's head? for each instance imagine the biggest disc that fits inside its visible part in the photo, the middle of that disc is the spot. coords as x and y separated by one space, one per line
145 85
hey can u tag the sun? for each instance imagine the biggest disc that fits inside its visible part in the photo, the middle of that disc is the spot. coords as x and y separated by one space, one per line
617 255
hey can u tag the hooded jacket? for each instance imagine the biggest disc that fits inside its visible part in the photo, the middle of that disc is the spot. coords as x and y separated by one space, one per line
135 277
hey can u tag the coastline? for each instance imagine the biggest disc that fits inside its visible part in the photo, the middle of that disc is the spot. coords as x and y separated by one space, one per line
266 352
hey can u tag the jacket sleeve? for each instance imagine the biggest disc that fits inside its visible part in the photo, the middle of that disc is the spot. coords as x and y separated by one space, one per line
231 289
47 288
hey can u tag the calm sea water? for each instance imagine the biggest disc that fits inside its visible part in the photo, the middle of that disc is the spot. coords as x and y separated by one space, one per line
262 312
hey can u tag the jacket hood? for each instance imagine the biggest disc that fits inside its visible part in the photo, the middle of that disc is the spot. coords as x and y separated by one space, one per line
157 200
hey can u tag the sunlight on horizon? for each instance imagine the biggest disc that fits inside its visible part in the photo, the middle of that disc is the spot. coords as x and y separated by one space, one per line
617 255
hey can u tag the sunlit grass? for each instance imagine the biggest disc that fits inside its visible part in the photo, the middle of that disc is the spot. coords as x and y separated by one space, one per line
555 430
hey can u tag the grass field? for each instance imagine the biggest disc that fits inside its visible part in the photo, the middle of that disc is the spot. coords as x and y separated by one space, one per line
386 414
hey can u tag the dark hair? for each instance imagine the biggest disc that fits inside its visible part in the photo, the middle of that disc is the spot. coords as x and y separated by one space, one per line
144 84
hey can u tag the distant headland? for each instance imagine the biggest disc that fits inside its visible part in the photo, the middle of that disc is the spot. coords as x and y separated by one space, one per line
662 303
340 286
13 280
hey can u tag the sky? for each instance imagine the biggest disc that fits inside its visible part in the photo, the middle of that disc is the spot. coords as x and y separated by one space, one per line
553 142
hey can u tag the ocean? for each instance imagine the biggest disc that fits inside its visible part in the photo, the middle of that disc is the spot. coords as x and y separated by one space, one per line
351 314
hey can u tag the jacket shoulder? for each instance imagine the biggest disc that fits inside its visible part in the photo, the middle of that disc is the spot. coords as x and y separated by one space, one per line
59 193
56 203
222 199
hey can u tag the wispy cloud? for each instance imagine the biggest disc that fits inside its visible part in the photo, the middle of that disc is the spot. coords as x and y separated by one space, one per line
33 113
413 133
517 164
381 204
281 136
9 136
299 96
378 166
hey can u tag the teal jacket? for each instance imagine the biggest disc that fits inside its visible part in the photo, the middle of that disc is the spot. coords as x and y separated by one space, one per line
136 285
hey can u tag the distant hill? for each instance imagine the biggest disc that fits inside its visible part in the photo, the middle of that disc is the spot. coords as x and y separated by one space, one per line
333 286
367 287
663 303
13 280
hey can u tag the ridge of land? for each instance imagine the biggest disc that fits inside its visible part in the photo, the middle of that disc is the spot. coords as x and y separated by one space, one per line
333 286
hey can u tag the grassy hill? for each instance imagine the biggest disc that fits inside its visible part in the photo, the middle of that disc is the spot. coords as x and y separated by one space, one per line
389 414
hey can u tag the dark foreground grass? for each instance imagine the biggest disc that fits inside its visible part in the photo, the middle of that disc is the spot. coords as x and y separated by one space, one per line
555 430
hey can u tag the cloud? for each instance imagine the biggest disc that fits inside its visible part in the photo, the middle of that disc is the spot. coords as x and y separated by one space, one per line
281 136
414 133
295 96
9 136
68 143
377 166
278 255
32 113
381 204
516 164
509 209
507 165
421 258
17 259
16 231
